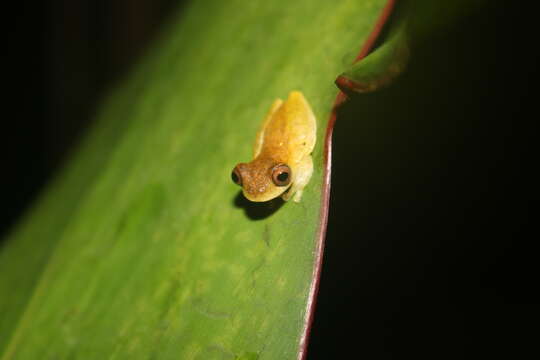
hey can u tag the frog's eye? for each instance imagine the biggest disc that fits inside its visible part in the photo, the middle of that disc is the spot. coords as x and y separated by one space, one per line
236 177
281 175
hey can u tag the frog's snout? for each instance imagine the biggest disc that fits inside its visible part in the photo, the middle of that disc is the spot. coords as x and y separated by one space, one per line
249 179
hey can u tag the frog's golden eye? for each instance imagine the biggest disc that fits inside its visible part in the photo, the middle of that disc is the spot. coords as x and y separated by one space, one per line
236 177
281 175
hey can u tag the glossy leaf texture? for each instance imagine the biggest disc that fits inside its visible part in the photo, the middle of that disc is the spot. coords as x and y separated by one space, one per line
142 247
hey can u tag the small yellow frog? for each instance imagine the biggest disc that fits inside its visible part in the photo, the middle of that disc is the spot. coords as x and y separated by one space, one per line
282 163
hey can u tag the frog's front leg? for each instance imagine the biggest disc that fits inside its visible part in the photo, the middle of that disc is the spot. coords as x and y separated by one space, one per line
301 174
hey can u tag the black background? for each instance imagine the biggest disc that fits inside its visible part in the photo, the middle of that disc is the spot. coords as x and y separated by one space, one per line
431 239
430 248
59 58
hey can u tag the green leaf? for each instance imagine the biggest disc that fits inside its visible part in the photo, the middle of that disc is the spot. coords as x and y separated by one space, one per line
142 247
380 67
413 22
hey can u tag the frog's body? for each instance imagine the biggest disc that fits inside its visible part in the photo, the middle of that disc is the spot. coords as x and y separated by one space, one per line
282 150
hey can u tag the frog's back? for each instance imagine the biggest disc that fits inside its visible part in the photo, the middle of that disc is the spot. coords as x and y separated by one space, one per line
290 134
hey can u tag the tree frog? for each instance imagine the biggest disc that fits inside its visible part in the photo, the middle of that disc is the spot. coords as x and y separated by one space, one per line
282 163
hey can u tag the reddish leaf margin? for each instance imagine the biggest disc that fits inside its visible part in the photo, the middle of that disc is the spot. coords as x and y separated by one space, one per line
341 98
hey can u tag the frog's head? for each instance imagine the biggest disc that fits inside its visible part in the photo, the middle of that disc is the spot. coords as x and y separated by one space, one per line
262 180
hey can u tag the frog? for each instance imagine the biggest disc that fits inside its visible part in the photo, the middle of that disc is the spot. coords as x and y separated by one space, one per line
282 164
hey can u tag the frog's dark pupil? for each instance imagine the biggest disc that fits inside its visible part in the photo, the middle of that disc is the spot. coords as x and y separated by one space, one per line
235 178
283 176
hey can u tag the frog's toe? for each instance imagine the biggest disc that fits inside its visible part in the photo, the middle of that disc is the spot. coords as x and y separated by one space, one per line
297 196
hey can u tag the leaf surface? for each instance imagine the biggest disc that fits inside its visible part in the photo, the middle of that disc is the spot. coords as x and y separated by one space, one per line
143 248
